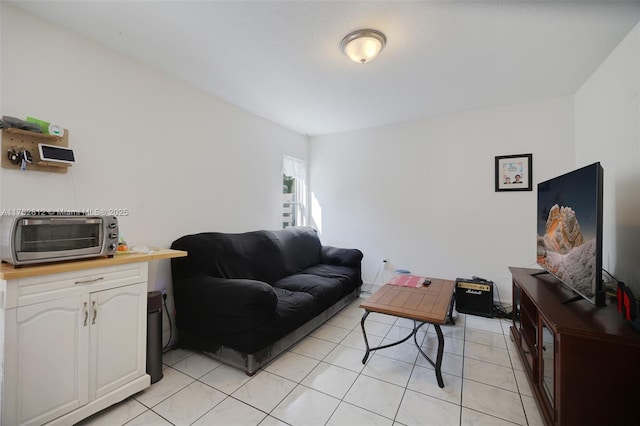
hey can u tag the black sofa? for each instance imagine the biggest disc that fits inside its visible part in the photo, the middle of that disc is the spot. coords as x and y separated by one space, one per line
245 298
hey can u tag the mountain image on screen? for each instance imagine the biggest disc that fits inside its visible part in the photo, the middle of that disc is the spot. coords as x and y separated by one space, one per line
563 251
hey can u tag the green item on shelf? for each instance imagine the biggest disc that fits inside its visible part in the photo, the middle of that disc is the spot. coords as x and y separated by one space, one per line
44 125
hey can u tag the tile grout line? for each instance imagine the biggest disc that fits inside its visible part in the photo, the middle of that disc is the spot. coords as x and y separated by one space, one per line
359 375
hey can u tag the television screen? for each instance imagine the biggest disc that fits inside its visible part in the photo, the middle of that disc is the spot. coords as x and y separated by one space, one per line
569 235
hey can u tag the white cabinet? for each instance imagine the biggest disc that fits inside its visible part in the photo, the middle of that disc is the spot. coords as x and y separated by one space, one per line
73 343
118 325
46 360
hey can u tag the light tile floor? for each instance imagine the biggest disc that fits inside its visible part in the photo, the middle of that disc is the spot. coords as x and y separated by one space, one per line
322 381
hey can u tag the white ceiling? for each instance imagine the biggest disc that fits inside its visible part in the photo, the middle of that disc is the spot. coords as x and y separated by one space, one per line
281 59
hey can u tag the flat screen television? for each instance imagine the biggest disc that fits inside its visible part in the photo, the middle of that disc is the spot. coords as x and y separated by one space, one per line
569 234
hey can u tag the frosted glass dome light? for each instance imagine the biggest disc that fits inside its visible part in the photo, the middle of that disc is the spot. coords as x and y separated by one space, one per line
363 46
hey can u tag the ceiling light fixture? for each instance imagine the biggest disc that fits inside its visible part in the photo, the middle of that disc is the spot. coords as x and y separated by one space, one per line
363 46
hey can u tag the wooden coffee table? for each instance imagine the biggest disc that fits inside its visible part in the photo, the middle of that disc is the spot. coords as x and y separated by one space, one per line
430 304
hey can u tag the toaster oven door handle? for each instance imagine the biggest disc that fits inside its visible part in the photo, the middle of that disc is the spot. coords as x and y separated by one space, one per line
92 280
61 221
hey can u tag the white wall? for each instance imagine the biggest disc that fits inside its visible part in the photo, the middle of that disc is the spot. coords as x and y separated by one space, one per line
607 116
180 160
419 193
422 193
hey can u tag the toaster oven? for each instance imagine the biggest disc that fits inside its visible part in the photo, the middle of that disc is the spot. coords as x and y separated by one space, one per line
44 238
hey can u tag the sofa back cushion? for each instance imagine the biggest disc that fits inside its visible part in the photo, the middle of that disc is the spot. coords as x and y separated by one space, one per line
259 255
251 255
300 248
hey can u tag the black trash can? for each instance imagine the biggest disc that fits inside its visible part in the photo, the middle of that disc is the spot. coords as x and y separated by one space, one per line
154 335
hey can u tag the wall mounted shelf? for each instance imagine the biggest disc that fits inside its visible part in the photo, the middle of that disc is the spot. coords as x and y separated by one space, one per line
23 139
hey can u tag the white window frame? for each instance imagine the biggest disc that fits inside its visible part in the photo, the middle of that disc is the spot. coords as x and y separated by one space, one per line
294 204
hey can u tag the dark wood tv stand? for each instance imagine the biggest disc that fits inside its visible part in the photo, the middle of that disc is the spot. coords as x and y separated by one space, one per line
582 361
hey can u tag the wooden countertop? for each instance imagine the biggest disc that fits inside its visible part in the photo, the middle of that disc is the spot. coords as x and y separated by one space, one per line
8 271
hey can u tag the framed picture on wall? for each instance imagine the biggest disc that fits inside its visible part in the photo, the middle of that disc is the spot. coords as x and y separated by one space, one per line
513 172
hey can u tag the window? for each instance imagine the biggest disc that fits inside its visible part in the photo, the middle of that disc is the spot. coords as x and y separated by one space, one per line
294 192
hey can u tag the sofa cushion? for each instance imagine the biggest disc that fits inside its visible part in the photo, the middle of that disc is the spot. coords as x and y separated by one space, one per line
292 310
291 305
232 305
325 290
348 277
300 247
252 255
341 256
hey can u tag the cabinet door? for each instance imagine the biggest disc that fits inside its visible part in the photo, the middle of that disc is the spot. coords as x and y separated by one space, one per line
547 379
118 337
47 369
529 333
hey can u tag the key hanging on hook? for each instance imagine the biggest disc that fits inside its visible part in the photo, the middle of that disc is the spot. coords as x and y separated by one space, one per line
13 156
25 157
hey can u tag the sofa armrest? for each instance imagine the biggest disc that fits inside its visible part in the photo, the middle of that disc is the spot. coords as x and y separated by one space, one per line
340 256
229 305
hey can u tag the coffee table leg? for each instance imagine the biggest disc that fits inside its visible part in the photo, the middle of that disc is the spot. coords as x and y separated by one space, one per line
438 365
364 333
369 349
451 320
